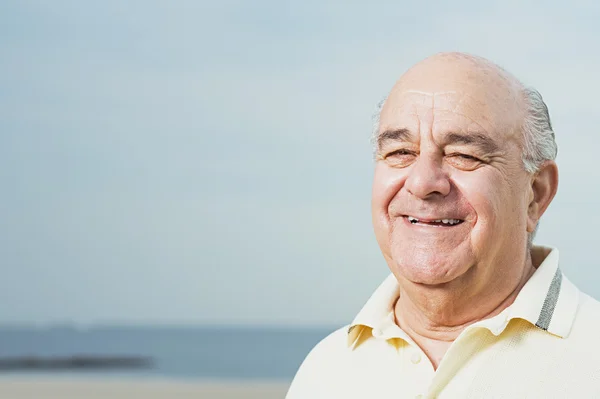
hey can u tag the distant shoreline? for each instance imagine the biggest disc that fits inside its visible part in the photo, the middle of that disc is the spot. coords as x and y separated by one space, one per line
79 362
232 354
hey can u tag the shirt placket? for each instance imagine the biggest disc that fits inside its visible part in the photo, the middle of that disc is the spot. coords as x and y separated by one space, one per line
412 359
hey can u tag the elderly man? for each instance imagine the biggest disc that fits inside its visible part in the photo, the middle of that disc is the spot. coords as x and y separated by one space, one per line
464 171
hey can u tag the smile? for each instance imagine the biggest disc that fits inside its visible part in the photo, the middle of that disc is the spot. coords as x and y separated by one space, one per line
434 222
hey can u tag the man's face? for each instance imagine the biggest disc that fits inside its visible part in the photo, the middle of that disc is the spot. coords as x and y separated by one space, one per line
450 194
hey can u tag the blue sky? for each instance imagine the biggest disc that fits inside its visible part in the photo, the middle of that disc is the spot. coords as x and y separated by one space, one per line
195 162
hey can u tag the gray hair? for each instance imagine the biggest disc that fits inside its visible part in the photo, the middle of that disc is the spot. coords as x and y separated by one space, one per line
375 130
539 144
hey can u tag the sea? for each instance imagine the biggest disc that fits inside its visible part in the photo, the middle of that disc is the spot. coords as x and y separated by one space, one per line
209 353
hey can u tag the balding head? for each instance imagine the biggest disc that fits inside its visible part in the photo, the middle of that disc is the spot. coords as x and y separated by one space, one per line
448 68
499 96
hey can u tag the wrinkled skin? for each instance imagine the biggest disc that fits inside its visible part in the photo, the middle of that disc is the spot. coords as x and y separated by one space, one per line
450 147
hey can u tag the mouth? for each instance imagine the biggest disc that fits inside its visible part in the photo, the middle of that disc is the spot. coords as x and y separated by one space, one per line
433 222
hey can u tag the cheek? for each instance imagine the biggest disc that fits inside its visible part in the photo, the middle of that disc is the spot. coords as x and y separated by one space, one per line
496 203
386 184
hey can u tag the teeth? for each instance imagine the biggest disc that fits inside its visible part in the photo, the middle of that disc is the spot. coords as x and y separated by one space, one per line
450 222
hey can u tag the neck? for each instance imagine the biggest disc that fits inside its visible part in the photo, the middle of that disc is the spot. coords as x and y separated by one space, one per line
435 316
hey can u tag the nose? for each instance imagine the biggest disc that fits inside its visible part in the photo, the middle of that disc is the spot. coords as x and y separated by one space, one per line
427 179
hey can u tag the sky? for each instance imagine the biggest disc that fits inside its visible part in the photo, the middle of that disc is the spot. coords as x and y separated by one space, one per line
192 162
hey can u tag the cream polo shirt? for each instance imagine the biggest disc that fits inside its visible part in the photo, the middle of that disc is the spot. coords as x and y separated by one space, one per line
545 345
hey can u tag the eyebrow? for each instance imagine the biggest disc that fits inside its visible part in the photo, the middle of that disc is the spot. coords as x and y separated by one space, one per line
394 135
479 140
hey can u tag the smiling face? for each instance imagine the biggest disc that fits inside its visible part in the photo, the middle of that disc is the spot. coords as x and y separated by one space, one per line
450 194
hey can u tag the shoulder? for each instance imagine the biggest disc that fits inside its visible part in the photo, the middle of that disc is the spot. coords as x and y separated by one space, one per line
327 351
319 364
587 316
336 341
588 305
581 344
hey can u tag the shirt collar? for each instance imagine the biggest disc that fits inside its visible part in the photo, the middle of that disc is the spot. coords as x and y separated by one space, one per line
376 310
548 300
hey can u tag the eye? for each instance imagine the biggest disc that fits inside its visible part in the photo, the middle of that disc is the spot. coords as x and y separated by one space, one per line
464 161
399 158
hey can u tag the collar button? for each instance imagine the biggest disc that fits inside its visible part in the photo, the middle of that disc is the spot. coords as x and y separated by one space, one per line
415 358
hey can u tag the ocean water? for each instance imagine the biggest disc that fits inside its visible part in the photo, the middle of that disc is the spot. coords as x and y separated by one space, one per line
198 353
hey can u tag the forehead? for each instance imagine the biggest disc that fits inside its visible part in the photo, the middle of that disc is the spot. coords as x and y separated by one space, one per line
439 97
448 111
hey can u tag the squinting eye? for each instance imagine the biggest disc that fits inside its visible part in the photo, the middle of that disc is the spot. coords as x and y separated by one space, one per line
464 161
469 157
399 158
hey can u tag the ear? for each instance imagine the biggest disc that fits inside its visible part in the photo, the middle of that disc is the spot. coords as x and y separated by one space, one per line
544 185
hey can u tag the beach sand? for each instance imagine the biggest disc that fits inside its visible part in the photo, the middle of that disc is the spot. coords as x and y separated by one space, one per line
71 388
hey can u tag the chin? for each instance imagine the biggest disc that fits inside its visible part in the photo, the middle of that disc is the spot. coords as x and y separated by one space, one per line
428 266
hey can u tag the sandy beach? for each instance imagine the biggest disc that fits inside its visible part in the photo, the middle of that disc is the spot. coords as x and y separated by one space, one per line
90 388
